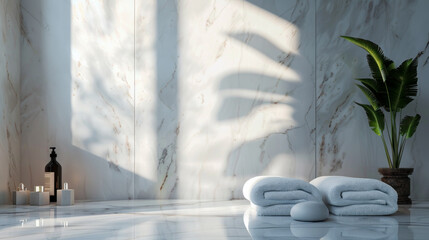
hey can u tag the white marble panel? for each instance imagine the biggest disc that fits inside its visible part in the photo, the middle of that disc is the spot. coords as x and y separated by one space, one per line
45 81
9 99
102 90
246 94
156 99
224 92
345 144
78 94
147 123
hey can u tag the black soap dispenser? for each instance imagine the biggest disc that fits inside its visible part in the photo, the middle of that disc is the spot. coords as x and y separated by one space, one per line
53 176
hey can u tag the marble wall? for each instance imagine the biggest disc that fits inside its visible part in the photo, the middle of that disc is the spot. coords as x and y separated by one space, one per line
9 99
188 99
345 145
221 97
246 94
78 94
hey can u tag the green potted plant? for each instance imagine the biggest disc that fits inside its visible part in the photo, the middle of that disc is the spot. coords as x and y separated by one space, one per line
388 92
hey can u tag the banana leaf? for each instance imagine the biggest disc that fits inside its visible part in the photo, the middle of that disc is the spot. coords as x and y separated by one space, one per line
375 118
409 125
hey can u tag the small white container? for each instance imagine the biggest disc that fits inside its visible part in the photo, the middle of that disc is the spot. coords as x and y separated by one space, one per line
21 196
39 197
65 196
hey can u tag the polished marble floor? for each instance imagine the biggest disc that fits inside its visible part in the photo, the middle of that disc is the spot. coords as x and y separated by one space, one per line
179 219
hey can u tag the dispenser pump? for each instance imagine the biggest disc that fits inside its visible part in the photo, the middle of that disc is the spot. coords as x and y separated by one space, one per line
53 154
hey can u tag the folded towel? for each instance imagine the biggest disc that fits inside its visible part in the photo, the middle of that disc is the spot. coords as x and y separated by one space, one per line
277 195
356 196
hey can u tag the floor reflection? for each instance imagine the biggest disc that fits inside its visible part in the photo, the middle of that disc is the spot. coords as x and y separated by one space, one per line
186 219
47 223
336 227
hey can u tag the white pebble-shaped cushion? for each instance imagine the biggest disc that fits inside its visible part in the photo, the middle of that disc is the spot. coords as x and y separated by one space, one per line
309 211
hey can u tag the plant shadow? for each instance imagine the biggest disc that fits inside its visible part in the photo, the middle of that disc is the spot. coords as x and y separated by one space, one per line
285 102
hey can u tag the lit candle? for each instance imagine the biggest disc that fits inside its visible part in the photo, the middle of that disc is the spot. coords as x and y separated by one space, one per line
21 195
39 197
65 196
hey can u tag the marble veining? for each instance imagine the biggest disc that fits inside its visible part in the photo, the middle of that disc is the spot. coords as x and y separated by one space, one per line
10 130
187 219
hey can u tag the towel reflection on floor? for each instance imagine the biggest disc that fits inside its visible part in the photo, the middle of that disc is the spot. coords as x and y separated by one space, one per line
336 227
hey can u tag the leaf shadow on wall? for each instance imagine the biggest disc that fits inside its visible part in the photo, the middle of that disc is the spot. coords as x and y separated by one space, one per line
267 91
296 97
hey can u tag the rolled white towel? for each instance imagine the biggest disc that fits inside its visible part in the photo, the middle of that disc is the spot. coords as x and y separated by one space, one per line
277 195
356 196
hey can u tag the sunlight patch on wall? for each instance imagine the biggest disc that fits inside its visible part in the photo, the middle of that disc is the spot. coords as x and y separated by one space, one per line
146 126
102 92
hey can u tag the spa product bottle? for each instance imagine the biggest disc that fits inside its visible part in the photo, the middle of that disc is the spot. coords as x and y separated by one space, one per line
53 176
